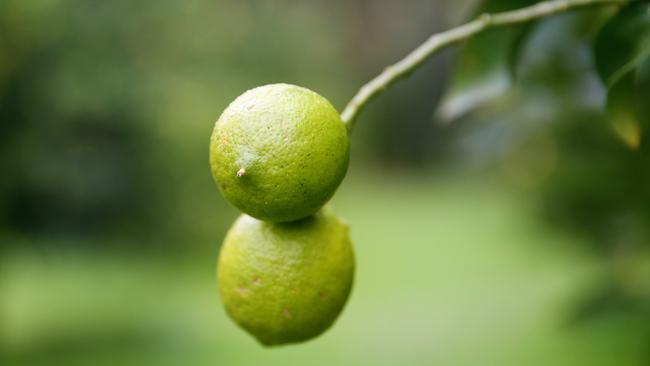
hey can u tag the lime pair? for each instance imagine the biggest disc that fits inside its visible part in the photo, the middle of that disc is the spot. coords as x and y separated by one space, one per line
278 153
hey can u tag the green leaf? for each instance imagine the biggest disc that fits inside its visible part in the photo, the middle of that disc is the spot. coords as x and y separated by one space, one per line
623 43
484 65
621 105
622 53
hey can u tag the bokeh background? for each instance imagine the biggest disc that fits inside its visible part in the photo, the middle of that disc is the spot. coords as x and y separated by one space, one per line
513 231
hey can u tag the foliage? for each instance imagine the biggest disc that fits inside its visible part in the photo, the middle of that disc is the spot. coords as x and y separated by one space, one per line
592 184
622 54
485 65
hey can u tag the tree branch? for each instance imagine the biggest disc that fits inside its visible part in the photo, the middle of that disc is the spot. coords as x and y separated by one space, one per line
440 40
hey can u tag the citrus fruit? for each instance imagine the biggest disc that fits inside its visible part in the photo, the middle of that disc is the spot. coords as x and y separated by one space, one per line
286 282
278 152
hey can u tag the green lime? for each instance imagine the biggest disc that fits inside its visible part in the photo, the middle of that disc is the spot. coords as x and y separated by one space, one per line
279 152
286 282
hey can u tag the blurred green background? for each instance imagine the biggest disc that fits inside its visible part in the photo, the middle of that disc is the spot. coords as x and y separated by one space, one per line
514 231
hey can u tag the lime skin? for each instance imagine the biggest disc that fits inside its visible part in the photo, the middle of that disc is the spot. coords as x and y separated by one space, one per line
287 282
279 152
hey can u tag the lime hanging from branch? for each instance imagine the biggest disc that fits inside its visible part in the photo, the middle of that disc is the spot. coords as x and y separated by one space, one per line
279 152
286 282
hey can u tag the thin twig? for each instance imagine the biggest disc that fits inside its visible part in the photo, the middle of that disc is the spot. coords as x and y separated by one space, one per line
440 40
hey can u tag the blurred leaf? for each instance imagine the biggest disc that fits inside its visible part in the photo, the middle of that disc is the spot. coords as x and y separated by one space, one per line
623 43
623 62
621 100
485 64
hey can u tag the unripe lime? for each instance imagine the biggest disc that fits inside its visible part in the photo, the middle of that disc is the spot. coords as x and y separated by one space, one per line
286 282
278 152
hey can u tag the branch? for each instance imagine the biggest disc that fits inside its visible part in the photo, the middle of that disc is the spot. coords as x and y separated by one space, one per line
440 40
